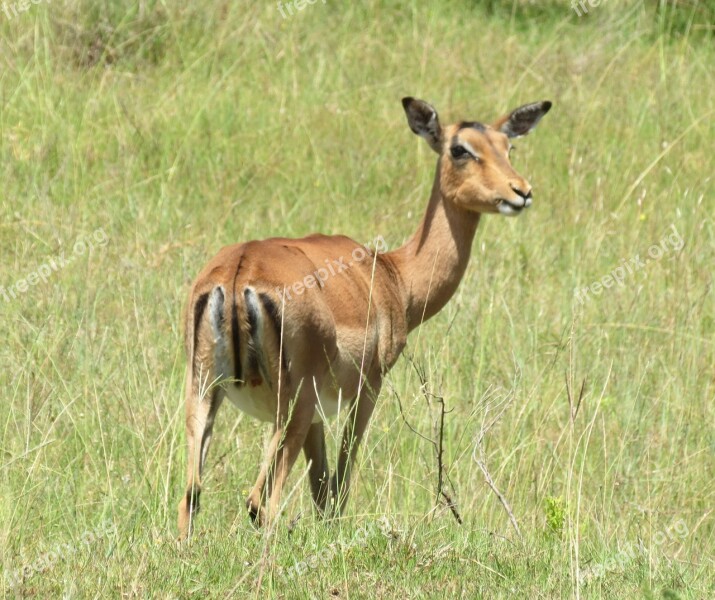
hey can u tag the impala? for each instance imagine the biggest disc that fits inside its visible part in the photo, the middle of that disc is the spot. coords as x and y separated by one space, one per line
290 363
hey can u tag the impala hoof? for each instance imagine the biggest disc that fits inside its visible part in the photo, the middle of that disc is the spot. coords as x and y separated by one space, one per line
256 512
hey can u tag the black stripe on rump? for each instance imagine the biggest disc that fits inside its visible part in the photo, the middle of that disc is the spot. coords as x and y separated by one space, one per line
275 316
235 333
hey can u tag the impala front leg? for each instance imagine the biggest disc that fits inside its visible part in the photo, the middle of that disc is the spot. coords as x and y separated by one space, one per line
358 419
318 471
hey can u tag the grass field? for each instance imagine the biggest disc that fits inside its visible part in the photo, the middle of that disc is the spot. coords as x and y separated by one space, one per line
139 139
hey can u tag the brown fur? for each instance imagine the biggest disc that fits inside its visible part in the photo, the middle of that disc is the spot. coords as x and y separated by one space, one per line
342 337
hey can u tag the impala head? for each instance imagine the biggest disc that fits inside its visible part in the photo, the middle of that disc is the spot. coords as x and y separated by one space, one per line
475 168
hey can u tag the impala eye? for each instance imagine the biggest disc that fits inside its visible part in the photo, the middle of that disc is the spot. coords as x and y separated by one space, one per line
458 151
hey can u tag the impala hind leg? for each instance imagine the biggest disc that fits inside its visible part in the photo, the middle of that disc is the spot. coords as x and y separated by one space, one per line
256 500
357 421
201 412
293 424
318 471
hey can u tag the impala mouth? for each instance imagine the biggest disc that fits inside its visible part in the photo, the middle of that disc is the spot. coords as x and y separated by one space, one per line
510 209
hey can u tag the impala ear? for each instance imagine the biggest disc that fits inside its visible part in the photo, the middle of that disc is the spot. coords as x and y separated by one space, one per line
423 120
522 120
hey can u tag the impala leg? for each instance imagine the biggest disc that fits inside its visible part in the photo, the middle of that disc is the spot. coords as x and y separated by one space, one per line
318 471
283 450
358 419
256 500
201 412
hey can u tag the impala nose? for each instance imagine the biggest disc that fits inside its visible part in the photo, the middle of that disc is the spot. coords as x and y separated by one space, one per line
522 194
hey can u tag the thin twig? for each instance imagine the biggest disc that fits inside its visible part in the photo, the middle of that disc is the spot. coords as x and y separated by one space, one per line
481 463
437 444
440 464
500 496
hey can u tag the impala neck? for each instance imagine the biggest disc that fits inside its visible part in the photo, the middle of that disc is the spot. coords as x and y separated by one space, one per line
432 262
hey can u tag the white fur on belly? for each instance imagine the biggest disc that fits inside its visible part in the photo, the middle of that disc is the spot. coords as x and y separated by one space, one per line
260 403
254 401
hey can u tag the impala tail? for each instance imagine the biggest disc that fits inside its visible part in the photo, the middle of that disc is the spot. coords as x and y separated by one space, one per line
235 338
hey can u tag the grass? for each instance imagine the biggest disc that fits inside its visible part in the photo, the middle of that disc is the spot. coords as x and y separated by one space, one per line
170 131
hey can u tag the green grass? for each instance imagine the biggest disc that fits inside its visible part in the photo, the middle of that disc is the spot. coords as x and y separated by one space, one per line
175 131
